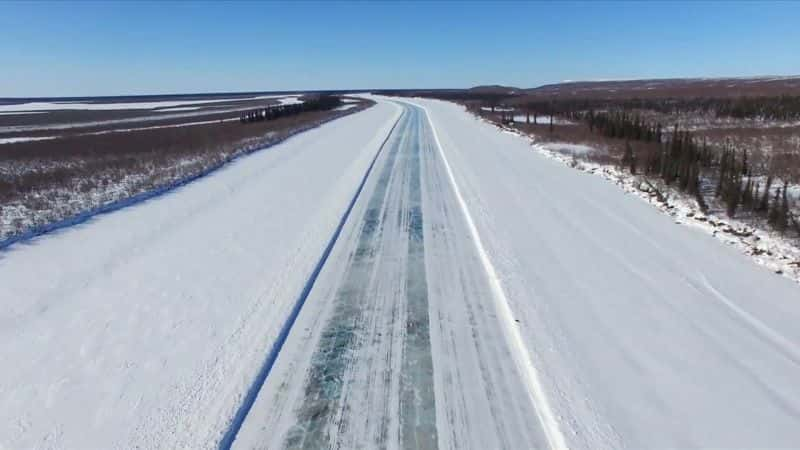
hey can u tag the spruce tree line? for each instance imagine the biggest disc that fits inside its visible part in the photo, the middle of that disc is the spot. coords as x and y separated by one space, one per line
776 107
784 107
319 103
770 108
681 161
621 124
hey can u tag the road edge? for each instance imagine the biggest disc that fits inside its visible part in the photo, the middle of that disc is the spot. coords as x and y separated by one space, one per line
536 392
238 419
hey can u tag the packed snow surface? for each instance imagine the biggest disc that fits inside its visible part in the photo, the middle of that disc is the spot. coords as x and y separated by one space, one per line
399 344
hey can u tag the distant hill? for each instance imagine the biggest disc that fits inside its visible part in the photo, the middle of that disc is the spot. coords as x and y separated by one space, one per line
494 89
675 87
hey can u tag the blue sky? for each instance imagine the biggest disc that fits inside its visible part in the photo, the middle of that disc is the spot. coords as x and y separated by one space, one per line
94 48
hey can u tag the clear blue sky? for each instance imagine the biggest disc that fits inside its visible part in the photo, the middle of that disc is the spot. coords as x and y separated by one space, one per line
94 48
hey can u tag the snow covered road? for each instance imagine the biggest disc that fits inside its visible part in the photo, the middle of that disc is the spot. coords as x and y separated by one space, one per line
399 344
479 296
143 328
645 334
609 326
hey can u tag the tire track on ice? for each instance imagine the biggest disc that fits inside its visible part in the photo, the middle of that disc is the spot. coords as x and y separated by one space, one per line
538 397
252 393
332 357
417 409
381 302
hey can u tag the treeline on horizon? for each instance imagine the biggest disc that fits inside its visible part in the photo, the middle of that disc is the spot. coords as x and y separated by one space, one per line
321 102
779 107
784 107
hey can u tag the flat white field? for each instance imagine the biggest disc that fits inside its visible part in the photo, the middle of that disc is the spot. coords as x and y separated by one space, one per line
143 328
645 334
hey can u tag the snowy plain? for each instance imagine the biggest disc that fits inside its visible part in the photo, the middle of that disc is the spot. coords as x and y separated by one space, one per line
143 328
171 113
646 333
15 140
30 107
561 310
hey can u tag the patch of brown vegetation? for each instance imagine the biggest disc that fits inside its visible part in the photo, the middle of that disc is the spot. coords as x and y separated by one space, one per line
671 88
53 178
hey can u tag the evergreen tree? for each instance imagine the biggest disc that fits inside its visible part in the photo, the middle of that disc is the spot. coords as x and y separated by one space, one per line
745 169
747 195
733 194
723 172
764 203
784 214
628 158
775 212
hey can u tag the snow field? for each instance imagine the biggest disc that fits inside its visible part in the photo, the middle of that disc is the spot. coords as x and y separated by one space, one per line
644 334
118 332
171 105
